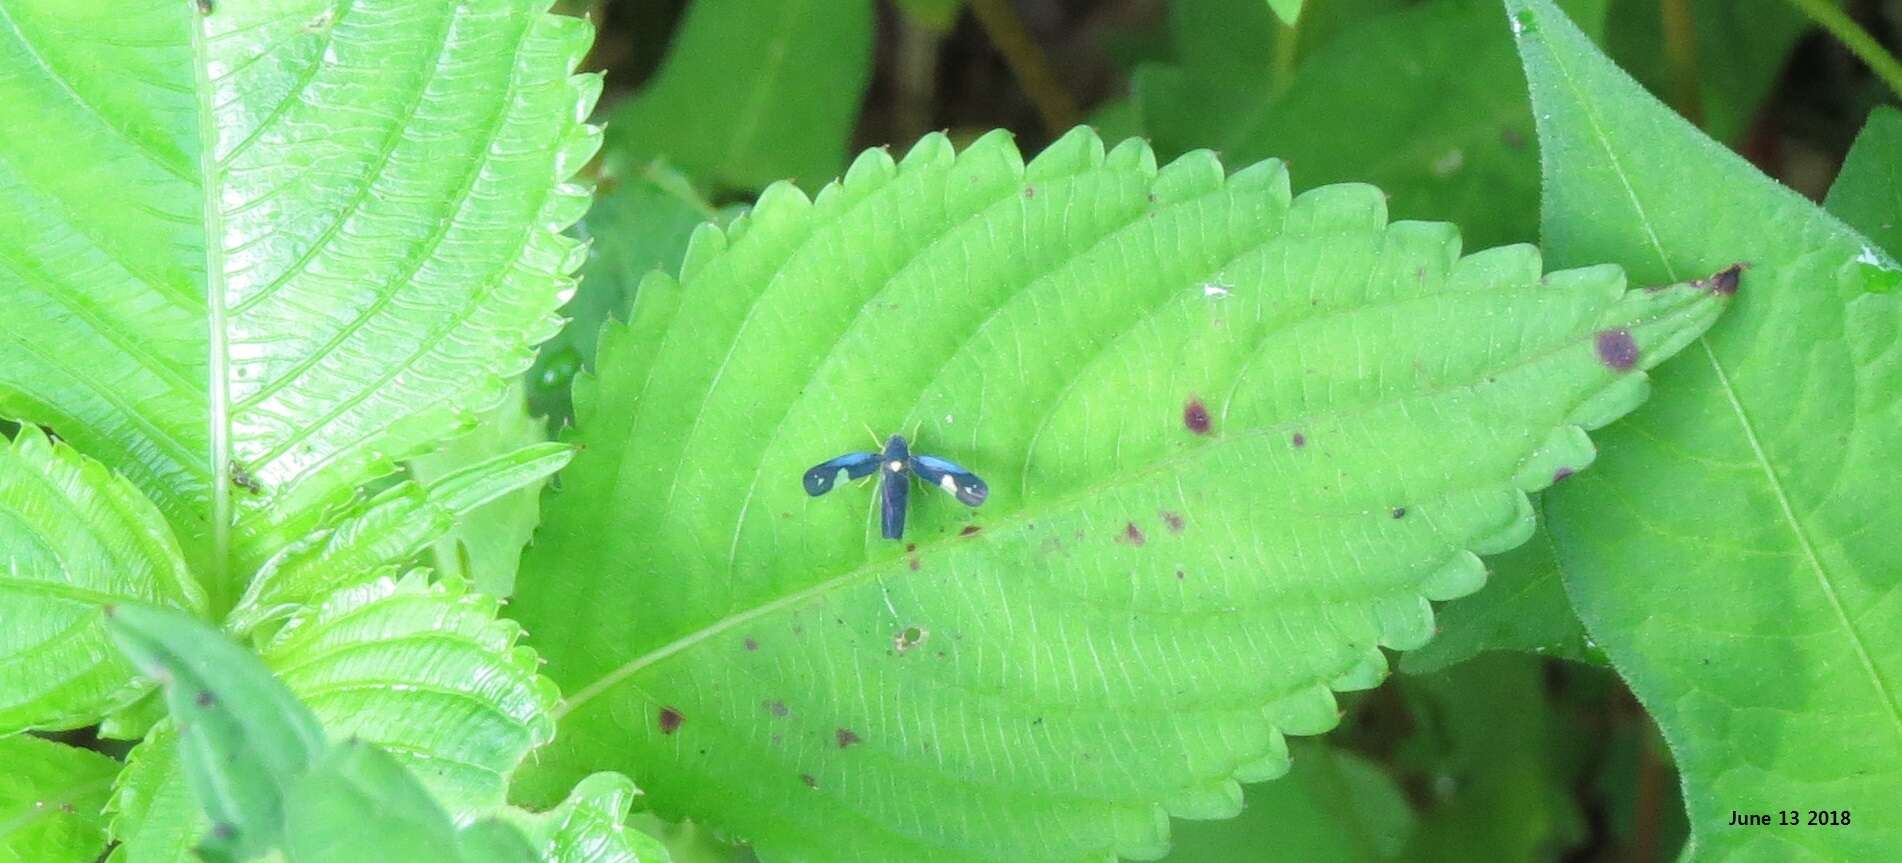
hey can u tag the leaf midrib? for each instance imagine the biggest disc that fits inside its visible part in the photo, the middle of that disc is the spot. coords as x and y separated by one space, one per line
867 569
1825 581
218 398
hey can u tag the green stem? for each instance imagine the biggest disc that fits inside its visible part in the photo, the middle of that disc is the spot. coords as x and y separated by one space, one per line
1287 51
1028 64
1856 39
1680 51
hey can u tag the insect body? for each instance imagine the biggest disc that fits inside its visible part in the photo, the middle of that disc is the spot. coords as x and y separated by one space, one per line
892 465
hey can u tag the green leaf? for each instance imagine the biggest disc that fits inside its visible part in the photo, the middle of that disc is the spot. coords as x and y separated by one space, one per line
1188 392
233 280
1289 11
426 672
423 670
485 547
589 826
360 804
390 528
1523 609
1739 48
1867 193
639 224
74 537
1332 806
1224 73
51 797
243 738
154 818
1499 766
753 91
1425 102
1727 552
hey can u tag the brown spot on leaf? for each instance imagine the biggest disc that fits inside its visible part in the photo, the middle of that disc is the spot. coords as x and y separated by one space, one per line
670 720
776 707
1560 474
1173 520
847 737
1030 191
911 546
1399 512
810 782
1723 282
1195 415
751 644
969 530
1132 535
914 563
1179 575
1616 349
1299 440
205 698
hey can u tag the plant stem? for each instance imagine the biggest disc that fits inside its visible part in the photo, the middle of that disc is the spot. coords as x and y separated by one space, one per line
1680 52
1856 39
1027 64
1287 51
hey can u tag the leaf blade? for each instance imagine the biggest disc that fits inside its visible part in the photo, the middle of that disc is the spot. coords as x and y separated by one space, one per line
1724 474
77 537
338 318
820 317
244 738
51 797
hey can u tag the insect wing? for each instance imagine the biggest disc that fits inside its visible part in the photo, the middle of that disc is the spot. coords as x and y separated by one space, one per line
893 491
969 489
820 479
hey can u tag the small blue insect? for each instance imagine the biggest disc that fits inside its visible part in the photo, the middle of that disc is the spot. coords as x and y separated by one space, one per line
892 465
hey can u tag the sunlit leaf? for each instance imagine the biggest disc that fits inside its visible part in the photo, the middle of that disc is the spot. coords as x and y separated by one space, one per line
426 672
74 537
1729 550
1235 441
250 256
51 801
390 528
588 827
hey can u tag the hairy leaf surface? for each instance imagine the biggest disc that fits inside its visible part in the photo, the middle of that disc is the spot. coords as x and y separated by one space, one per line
1732 550
52 798
1235 441
74 537
252 256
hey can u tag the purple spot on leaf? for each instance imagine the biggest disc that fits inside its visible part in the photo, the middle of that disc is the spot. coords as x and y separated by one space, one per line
1616 349
1195 415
